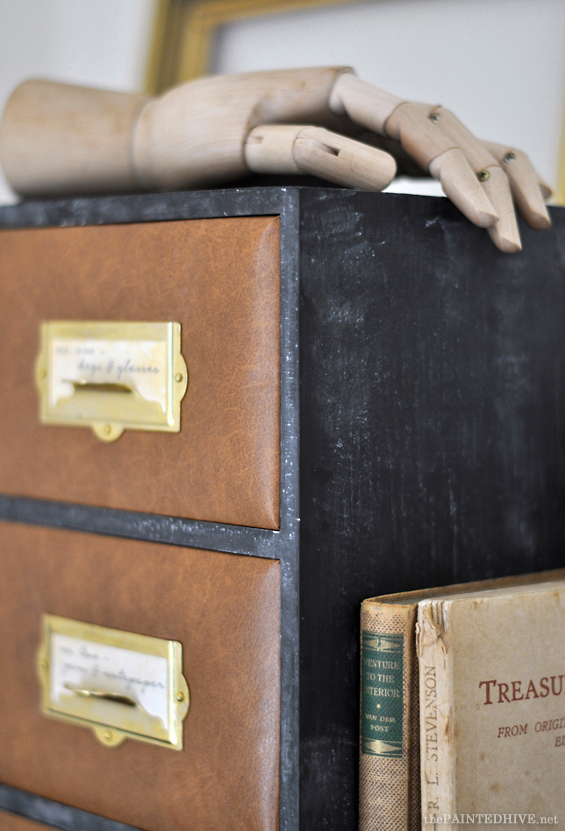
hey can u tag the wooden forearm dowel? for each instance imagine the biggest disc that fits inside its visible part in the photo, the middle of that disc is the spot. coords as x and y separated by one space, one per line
57 138
62 139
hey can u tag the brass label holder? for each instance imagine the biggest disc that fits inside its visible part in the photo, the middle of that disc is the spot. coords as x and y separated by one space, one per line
119 684
111 376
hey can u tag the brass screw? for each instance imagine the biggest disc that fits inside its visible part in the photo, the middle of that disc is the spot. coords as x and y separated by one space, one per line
510 157
180 696
435 117
44 664
43 374
483 175
107 429
107 736
178 378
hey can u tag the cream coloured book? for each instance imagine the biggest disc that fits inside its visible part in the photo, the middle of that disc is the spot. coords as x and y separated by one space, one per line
492 707
389 749
389 758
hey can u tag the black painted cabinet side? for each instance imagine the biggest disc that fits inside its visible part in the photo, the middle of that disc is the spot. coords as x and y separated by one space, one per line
432 434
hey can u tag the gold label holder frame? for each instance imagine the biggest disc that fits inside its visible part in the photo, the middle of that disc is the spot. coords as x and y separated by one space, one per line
121 685
111 376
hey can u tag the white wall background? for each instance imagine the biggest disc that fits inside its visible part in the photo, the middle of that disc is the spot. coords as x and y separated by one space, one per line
93 42
499 64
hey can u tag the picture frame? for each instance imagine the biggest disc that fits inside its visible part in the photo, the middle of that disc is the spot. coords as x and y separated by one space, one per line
185 31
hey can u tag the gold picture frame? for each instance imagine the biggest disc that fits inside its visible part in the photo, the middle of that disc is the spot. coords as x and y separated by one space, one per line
559 195
185 31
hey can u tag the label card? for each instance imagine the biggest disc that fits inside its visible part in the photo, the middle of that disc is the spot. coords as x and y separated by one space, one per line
111 376
118 683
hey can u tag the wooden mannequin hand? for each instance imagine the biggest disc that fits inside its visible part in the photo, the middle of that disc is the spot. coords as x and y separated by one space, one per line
60 139
483 179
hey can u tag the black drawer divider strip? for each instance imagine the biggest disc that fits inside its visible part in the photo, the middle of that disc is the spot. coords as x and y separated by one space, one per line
213 536
54 814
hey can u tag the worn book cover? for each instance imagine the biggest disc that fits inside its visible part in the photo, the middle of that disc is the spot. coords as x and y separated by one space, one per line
389 751
492 706
389 793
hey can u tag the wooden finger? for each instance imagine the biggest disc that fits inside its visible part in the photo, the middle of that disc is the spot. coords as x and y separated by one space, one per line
500 151
504 233
268 148
343 160
474 150
528 188
421 136
283 148
461 185
362 102
527 193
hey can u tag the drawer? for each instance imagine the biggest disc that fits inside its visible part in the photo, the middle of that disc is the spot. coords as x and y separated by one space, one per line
12 822
225 611
219 279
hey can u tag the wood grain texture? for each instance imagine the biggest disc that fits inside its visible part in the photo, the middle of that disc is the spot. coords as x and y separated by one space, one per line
60 138
281 148
432 434
225 611
193 136
220 279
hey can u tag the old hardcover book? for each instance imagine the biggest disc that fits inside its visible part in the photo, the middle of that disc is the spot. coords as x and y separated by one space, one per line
388 765
492 706
389 754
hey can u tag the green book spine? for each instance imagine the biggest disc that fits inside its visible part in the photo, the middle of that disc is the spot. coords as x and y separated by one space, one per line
389 798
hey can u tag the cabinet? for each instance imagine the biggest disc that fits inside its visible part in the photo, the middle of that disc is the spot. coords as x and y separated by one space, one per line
418 440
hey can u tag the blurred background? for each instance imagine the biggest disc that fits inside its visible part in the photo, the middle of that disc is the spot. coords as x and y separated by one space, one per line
499 64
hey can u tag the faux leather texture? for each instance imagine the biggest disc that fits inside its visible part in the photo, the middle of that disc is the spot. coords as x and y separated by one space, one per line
219 278
223 608
11 822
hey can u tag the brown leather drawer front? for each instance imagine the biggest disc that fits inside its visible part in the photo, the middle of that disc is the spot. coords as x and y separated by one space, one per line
223 608
11 822
219 278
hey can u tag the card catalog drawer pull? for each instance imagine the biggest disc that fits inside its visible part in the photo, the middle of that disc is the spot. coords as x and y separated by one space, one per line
111 376
86 670
116 698
89 386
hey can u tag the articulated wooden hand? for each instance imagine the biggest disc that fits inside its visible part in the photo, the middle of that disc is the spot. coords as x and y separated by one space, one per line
483 179
60 139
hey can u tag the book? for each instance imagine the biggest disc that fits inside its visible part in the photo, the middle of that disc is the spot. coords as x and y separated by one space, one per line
492 706
389 754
